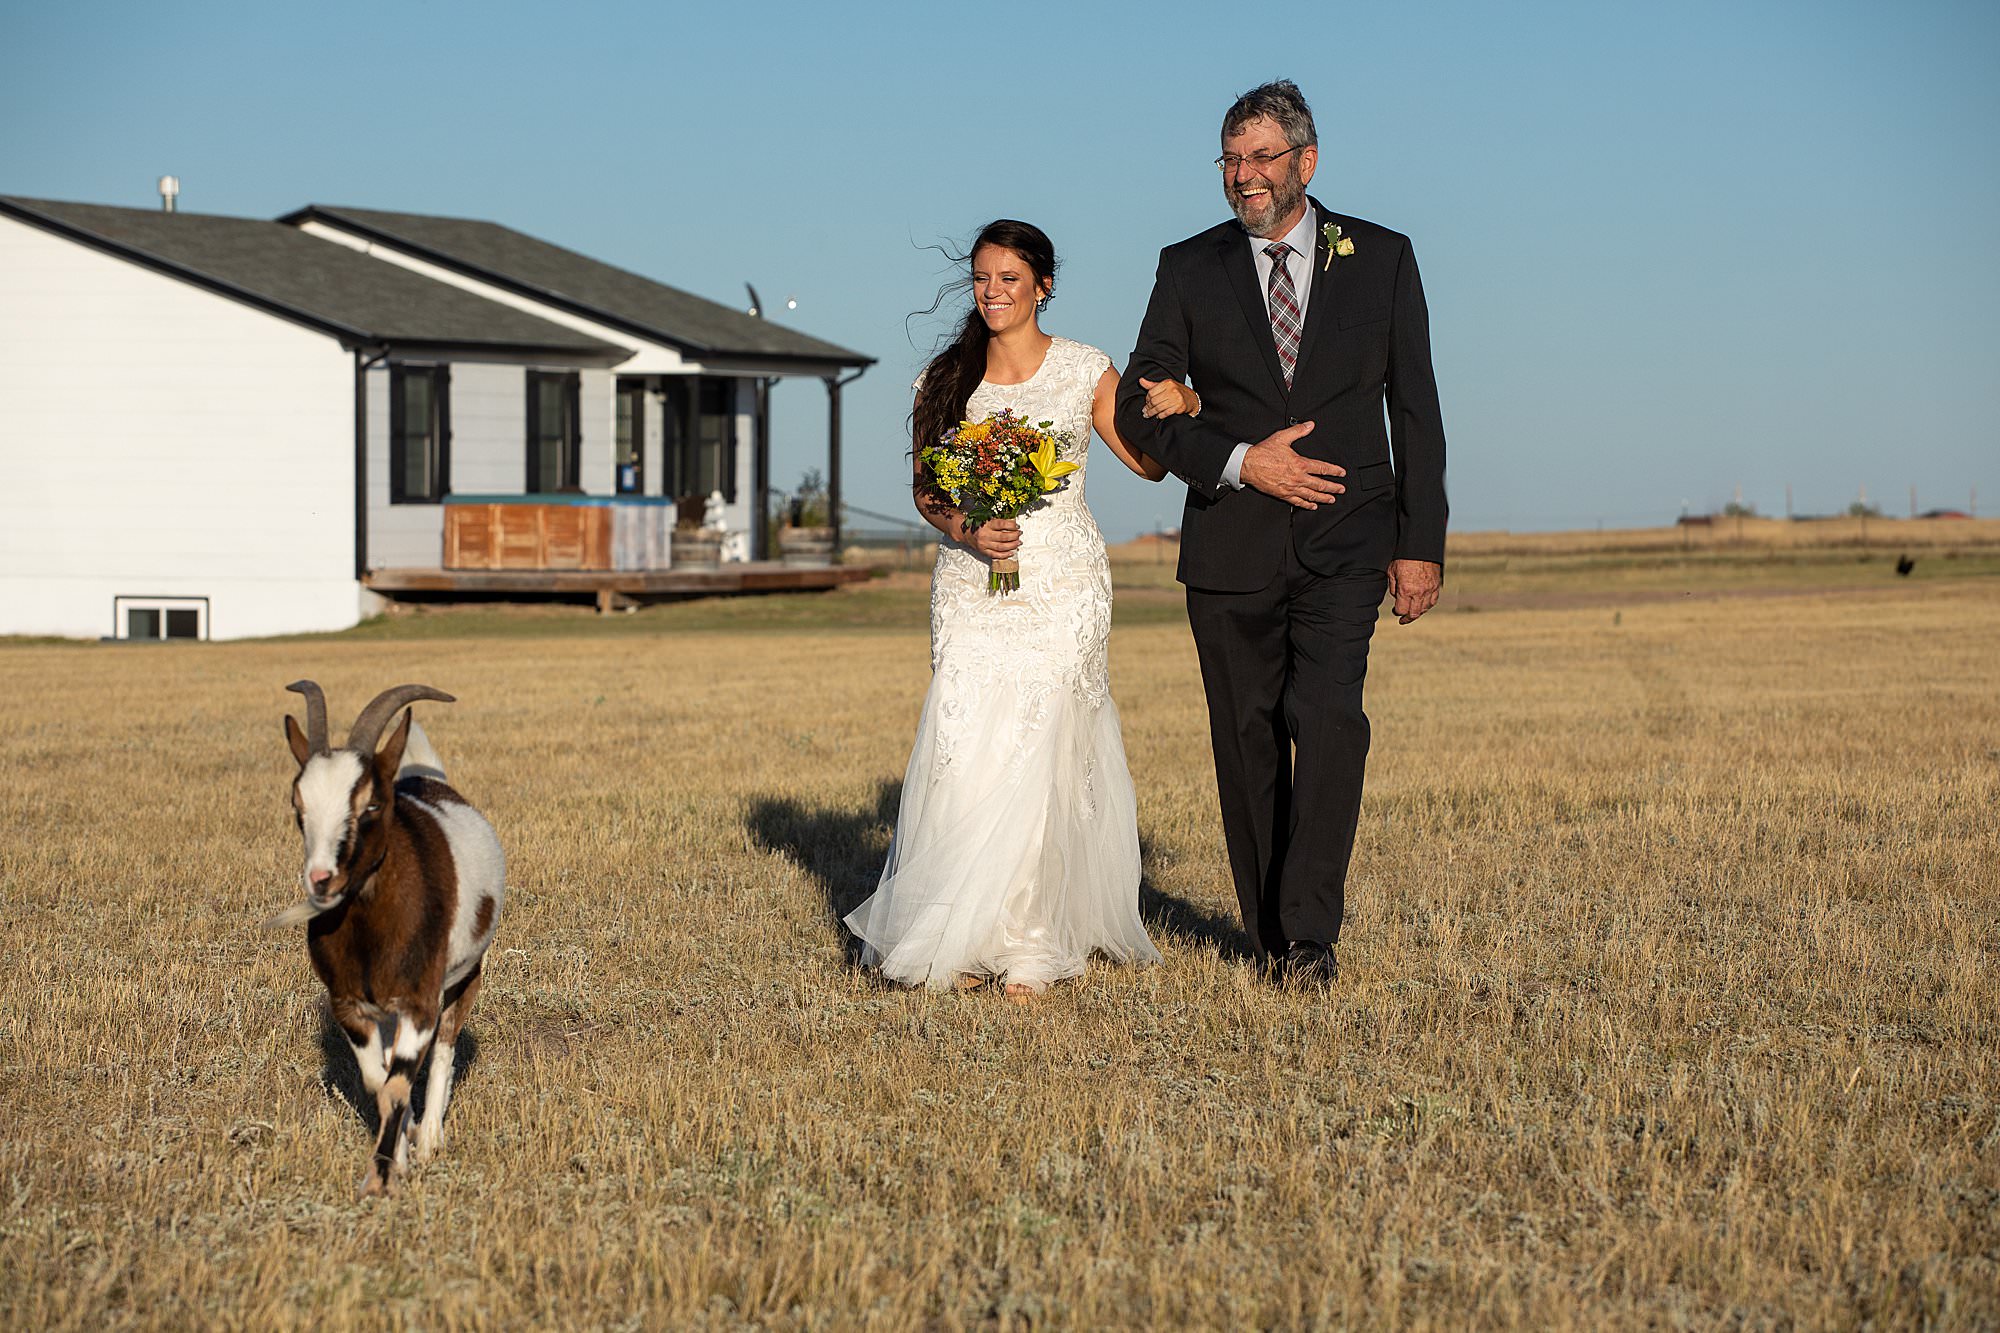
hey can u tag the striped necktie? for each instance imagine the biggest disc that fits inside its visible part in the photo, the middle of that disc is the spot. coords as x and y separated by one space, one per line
1285 320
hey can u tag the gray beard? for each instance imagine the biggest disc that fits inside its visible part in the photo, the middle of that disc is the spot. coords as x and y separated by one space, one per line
1285 196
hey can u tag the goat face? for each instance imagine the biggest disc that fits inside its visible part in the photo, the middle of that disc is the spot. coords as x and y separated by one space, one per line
343 802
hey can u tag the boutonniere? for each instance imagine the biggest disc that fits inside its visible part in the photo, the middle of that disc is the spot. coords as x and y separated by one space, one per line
1336 244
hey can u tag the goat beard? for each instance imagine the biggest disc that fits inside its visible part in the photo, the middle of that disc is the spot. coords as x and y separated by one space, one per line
297 914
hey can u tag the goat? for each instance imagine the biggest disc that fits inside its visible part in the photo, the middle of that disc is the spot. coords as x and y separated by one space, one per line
403 881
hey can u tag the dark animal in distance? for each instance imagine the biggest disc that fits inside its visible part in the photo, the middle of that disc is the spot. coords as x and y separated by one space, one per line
1904 565
403 882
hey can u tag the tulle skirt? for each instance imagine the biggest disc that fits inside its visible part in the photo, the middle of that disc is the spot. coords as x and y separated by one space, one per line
1016 852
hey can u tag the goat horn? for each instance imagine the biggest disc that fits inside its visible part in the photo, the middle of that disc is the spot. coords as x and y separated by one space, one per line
367 728
315 713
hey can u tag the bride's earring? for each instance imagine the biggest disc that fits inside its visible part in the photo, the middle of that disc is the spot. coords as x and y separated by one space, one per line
1042 305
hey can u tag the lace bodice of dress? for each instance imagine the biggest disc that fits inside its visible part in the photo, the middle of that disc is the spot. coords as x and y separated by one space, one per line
1060 391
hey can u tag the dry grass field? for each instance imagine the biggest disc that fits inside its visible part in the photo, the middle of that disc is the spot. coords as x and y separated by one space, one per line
1737 537
1668 993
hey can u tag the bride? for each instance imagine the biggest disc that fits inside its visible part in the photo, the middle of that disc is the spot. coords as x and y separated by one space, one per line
1016 852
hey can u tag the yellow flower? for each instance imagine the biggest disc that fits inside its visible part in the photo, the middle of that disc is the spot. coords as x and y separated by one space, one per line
1047 470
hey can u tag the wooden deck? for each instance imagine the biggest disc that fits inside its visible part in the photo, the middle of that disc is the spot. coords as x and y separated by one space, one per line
613 588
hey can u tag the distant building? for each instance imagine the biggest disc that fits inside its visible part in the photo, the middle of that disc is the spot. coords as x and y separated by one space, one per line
225 427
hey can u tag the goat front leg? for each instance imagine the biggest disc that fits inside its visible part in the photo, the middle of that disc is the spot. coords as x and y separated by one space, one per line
403 1045
444 1056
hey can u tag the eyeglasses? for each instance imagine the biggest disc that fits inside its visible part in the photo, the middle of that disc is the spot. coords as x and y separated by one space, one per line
1259 160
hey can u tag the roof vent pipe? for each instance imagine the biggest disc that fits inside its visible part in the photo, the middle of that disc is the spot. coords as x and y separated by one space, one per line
170 189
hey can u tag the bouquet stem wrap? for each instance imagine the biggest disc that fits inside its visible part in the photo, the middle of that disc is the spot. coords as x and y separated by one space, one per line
999 467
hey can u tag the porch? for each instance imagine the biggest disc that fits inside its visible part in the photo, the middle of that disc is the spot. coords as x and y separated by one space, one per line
619 550
612 589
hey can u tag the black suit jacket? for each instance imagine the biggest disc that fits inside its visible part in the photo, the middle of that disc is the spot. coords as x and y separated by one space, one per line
1366 342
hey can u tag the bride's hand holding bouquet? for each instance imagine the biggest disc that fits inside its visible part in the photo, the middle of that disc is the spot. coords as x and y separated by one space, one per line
995 541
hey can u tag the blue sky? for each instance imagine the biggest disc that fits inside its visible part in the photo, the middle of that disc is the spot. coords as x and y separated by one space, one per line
1670 251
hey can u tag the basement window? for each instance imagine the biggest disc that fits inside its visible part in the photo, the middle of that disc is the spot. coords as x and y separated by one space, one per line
145 618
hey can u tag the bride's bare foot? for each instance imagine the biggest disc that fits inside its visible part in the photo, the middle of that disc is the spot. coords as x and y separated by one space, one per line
1019 992
968 981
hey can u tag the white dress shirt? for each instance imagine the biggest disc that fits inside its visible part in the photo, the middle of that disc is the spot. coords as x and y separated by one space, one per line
1299 264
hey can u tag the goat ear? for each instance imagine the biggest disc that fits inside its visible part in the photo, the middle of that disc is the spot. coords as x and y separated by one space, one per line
390 757
301 748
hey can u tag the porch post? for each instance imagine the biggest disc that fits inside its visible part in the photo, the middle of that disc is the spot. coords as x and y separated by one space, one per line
834 384
361 467
362 364
833 460
760 475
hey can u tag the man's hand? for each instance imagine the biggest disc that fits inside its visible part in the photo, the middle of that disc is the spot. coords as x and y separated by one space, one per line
1415 585
1273 467
995 540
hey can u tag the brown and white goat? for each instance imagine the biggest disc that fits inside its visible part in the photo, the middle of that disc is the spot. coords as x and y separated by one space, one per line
403 881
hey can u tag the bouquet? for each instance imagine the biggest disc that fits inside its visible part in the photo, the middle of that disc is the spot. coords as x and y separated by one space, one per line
998 468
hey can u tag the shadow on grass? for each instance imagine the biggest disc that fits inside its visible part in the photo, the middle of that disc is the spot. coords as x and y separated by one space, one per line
1170 914
843 850
338 1072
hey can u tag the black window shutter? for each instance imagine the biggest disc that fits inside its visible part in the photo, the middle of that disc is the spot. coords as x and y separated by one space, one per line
397 438
442 397
573 464
534 428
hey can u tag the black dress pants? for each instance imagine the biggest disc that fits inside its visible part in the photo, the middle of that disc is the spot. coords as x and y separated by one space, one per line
1283 668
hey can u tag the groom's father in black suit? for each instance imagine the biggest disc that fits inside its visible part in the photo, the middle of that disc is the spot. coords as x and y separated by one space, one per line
1298 327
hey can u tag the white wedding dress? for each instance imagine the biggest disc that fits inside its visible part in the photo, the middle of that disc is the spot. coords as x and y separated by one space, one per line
1016 853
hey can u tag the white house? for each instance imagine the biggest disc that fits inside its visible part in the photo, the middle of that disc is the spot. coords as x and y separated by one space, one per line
224 427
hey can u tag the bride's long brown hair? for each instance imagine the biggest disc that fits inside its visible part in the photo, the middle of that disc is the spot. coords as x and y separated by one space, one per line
954 372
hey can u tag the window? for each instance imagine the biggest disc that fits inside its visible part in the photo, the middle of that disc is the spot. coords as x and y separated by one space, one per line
419 434
715 437
701 437
555 440
159 617
628 457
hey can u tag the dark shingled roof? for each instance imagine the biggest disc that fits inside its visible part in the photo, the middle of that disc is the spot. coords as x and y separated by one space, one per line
581 285
328 287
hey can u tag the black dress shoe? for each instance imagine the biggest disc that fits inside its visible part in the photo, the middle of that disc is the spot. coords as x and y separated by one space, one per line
1308 964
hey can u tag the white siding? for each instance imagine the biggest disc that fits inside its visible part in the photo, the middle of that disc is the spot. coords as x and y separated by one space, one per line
406 536
489 429
157 439
655 457
599 408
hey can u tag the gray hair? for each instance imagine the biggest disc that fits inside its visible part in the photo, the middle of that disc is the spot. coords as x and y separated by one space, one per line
1279 101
